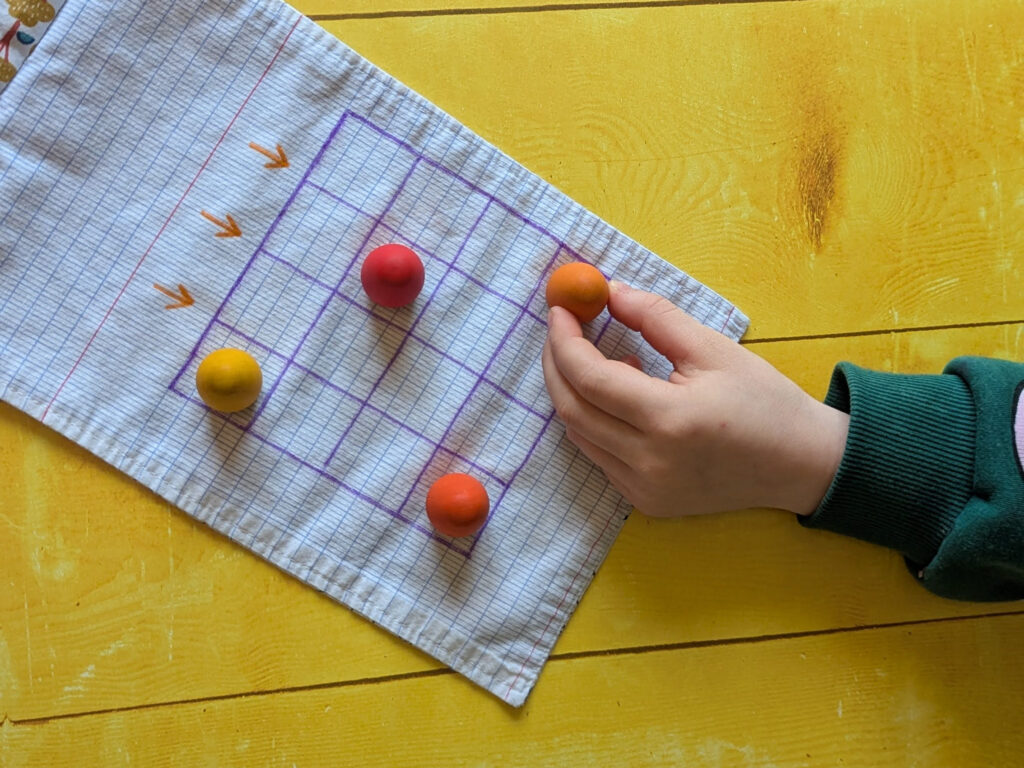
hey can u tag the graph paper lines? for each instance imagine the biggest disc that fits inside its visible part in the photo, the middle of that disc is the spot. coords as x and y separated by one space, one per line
170 216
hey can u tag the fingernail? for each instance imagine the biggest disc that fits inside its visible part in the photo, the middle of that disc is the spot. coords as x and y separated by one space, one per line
615 286
551 313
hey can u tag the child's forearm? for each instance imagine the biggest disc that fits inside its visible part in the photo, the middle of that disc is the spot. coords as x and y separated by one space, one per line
932 470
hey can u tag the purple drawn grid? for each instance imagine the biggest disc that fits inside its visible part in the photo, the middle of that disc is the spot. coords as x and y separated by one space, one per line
440 448
401 347
455 418
373 311
419 248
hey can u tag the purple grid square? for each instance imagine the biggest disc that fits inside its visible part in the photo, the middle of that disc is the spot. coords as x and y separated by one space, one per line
466 321
352 286
319 223
220 336
376 451
306 415
495 433
348 330
363 167
276 318
423 389
534 248
514 369
435 212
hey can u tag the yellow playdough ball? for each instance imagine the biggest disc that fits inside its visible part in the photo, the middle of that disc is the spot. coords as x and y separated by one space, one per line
229 380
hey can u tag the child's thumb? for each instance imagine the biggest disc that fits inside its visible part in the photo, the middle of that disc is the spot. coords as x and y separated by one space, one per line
665 326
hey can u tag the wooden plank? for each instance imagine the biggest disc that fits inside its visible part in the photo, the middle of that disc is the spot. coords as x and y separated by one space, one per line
830 166
941 695
322 10
114 599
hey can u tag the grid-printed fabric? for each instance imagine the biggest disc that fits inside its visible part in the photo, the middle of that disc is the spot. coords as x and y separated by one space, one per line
22 25
129 138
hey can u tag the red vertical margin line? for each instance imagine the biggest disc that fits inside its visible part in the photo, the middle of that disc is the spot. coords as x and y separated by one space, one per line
167 221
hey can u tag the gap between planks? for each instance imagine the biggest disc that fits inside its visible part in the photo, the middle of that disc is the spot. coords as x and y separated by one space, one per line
882 331
554 658
548 7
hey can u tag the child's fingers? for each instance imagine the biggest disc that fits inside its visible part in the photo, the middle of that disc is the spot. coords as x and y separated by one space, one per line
613 467
615 388
582 417
665 326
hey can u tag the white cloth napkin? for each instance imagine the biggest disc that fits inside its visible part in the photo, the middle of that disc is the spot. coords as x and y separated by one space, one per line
135 142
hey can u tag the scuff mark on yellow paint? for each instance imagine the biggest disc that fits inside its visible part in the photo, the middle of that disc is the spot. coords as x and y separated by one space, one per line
170 579
114 647
52 559
79 685
12 525
972 72
1001 233
6 671
721 752
28 646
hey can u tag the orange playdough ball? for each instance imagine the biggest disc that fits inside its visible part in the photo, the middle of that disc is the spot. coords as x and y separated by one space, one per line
457 504
580 288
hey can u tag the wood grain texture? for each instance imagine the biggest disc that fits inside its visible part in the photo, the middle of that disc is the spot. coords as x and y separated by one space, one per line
833 167
936 695
830 166
116 599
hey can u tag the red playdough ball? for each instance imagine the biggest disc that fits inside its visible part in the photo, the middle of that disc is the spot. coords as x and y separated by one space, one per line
392 275
457 504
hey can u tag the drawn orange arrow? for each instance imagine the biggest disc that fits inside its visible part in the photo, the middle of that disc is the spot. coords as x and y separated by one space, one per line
230 227
182 298
278 160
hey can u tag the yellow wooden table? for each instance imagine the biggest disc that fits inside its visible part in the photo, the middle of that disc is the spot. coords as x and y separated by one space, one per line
852 175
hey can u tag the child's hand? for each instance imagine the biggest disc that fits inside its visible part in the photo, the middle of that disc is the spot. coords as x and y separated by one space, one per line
726 431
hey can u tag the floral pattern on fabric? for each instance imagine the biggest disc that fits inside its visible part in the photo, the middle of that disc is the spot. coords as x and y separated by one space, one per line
22 27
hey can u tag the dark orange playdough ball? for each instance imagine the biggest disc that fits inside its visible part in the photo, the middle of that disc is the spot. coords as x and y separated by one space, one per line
457 504
580 288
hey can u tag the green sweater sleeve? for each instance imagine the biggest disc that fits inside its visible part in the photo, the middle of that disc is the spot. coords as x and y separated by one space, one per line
932 469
